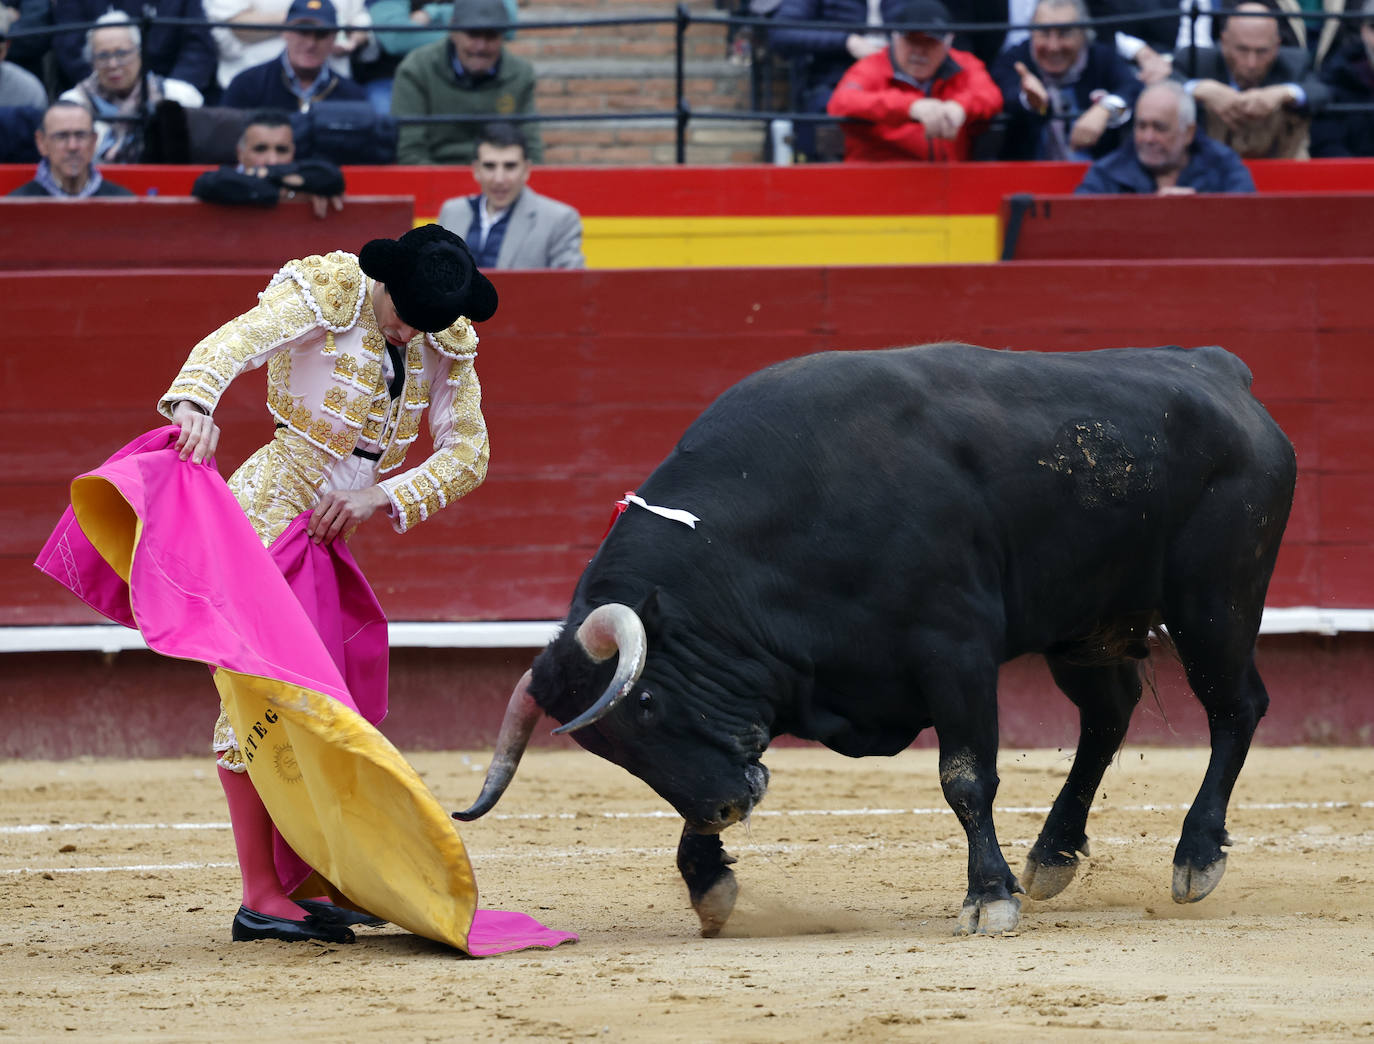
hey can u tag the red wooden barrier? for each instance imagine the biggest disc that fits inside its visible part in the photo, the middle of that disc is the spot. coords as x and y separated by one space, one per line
589 378
804 189
1288 225
123 233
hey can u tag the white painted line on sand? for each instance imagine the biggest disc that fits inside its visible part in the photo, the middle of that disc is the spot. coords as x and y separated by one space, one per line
797 813
535 854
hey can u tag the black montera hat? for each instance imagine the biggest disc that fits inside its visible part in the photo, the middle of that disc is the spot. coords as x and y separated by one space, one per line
431 277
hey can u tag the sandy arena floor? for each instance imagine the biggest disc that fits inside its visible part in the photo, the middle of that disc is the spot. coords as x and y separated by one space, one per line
118 886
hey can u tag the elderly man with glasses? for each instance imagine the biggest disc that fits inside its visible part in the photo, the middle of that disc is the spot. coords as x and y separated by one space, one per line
119 93
66 141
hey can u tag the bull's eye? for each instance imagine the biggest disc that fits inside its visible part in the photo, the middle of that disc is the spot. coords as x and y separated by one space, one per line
646 706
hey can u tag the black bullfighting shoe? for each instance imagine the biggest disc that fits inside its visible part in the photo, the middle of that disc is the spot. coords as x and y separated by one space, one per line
334 914
249 925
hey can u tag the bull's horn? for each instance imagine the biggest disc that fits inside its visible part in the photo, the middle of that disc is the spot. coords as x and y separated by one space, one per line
522 713
609 629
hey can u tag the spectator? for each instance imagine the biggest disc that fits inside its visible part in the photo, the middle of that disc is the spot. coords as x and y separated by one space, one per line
1166 156
241 48
1150 43
183 52
820 57
1066 96
18 128
1337 36
267 170
1150 50
377 75
1350 76
18 86
468 74
508 224
29 51
987 44
301 74
66 141
918 99
1147 44
118 93
1256 96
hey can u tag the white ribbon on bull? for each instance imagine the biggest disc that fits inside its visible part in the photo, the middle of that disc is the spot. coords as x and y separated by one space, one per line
676 514
608 629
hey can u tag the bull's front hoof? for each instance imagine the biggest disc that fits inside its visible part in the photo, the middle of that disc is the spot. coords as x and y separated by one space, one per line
1192 884
1045 880
715 905
990 917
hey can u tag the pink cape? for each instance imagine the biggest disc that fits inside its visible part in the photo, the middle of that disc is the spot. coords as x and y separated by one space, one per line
159 544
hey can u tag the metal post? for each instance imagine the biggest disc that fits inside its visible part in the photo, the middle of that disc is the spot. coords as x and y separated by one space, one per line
680 85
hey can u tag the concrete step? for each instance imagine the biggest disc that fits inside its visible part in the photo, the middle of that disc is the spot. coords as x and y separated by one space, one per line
632 68
650 142
610 42
591 85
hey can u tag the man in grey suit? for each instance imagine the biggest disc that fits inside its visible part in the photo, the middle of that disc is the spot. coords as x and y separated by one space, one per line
507 224
1257 97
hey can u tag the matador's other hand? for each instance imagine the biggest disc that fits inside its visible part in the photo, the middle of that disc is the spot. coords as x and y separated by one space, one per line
199 433
340 512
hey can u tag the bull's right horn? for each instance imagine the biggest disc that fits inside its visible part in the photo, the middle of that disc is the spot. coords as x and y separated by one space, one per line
522 714
609 629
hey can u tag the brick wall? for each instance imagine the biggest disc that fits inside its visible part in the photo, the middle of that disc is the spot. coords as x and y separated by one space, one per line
631 68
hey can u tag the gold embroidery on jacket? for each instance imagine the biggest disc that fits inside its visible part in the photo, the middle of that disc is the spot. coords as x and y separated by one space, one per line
454 469
280 316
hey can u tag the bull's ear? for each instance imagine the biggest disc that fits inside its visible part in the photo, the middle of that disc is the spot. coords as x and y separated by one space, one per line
649 613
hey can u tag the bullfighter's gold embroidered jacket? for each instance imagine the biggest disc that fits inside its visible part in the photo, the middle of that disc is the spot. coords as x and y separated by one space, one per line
314 328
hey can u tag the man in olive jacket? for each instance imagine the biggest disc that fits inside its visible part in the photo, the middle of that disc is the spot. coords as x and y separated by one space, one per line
467 74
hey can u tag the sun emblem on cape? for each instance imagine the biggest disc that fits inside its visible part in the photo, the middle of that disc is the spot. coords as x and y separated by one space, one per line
287 767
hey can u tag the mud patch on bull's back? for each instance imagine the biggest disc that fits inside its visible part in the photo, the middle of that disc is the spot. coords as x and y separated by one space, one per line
1094 457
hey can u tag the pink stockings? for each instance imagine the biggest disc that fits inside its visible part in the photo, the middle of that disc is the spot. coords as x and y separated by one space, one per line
262 888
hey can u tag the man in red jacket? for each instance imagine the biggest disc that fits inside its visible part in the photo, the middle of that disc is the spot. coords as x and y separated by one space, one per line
918 98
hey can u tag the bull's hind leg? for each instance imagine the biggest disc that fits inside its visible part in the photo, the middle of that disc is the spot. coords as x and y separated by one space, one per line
1235 699
1212 611
1105 696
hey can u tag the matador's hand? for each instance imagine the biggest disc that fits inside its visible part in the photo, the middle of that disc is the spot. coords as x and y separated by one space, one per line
199 433
340 512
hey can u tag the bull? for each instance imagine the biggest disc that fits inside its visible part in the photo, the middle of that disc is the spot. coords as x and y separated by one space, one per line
879 530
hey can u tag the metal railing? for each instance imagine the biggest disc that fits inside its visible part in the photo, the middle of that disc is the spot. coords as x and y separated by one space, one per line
683 20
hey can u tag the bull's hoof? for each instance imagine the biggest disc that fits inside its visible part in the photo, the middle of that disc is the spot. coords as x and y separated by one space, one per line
992 917
714 907
1043 880
1192 884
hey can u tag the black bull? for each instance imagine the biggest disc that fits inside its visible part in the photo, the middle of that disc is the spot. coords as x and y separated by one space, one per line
879 530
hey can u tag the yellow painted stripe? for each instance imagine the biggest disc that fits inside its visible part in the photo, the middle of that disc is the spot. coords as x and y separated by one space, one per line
771 242
710 242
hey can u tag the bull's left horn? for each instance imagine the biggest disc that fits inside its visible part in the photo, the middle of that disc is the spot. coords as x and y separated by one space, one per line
522 713
609 629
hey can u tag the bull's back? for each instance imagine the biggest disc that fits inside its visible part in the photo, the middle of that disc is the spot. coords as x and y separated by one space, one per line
924 414
1045 466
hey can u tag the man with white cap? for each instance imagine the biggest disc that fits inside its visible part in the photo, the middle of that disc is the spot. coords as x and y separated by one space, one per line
301 75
